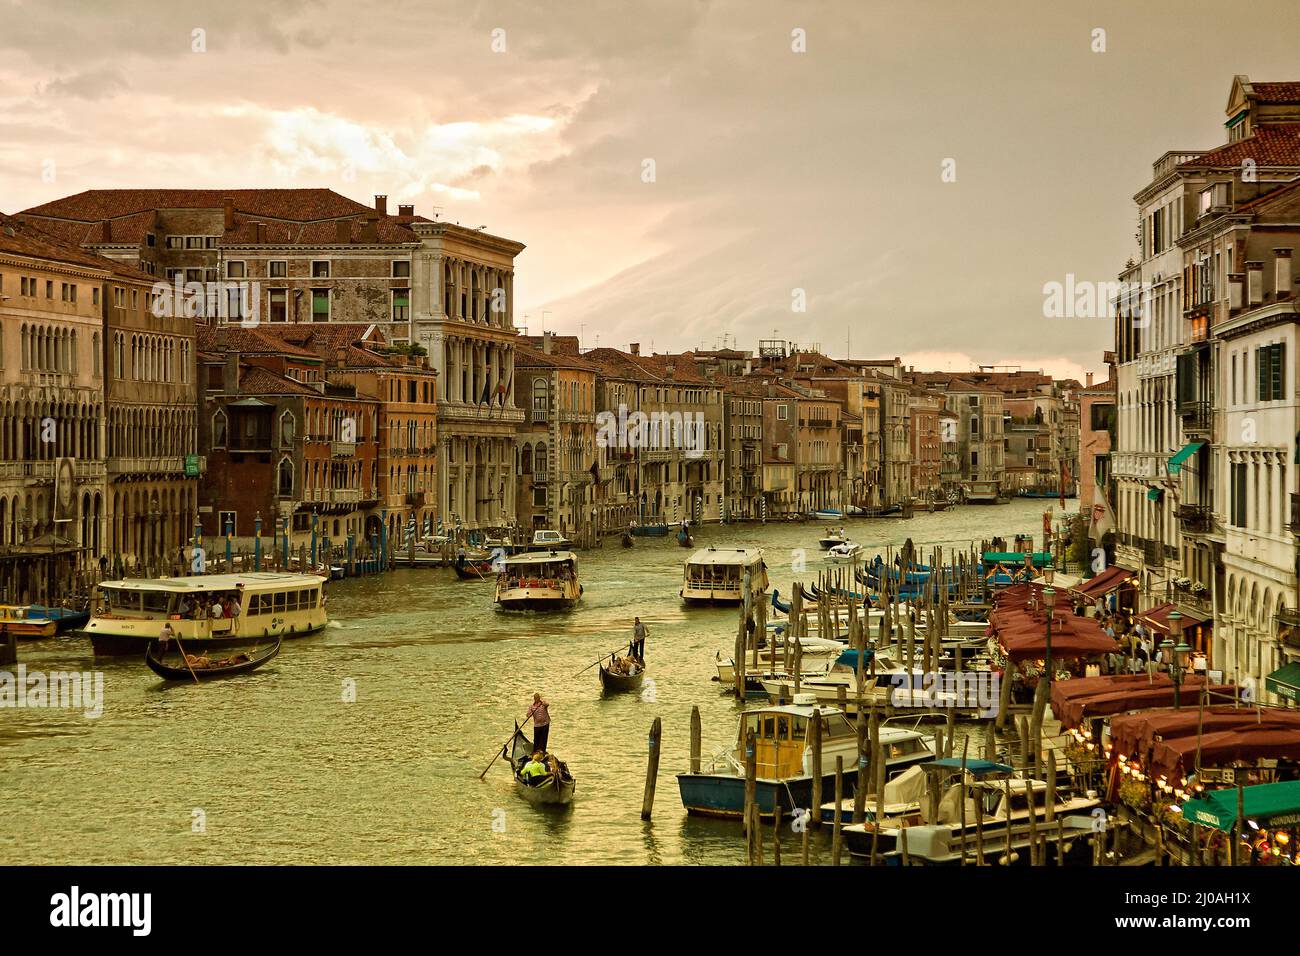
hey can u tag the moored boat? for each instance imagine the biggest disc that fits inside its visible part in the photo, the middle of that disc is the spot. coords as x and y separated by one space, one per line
202 667
538 581
784 761
717 575
36 620
268 604
546 540
555 788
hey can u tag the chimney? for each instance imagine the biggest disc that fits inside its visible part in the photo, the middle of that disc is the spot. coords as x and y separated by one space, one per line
1282 274
228 205
749 366
340 357
546 343
1088 380
406 210
230 374
370 227
1254 283
635 348
257 231
381 205
343 230
106 232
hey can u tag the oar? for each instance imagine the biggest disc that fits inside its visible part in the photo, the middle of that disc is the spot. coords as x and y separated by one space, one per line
598 660
186 659
501 749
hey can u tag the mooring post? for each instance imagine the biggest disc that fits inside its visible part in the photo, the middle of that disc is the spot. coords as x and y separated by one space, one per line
652 769
695 739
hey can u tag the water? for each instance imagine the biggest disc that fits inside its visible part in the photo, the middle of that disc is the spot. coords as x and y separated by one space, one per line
282 770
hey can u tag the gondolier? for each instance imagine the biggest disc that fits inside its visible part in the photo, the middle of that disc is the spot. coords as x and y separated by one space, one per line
637 647
540 712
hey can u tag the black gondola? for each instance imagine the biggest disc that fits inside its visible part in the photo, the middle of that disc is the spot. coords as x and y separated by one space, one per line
474 570
627 539
614 682
228 667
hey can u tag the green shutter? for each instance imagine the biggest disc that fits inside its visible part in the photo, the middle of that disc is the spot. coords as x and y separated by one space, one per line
1261 373
320 304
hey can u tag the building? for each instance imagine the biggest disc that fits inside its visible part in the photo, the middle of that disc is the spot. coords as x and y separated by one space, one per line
52 472
290 454
925 407
559 480
1096 439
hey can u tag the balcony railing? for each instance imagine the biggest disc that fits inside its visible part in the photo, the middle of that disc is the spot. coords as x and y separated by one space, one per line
343 449
539 415
1195 519
462 412
1195 415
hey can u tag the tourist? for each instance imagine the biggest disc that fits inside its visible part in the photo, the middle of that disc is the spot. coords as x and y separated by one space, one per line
637 647
540 712
215 610
533 769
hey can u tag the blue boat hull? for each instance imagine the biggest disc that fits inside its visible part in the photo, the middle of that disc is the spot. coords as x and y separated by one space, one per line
723 795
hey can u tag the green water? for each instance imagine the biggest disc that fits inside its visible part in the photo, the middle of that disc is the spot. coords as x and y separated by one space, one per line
284 770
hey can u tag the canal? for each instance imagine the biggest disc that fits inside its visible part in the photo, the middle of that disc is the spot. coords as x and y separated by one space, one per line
282 767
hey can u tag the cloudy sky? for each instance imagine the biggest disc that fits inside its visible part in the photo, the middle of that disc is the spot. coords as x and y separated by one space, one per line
773 170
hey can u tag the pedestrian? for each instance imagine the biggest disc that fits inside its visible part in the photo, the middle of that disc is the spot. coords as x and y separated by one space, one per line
637 647
540 711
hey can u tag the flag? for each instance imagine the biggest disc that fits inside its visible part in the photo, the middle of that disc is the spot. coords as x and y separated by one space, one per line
487 393
1102 518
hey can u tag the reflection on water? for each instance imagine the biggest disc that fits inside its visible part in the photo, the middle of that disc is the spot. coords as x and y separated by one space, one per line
285 771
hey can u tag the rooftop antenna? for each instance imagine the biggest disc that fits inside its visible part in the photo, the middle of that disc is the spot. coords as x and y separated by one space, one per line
581 326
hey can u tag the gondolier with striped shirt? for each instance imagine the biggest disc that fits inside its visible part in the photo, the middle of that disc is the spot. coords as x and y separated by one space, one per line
540 712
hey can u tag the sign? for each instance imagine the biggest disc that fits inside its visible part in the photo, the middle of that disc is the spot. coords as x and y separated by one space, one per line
191 466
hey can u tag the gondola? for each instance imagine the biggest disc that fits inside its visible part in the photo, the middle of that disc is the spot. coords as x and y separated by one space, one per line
784 608
684 539
554 789
240 663
474 570
627 540
613 682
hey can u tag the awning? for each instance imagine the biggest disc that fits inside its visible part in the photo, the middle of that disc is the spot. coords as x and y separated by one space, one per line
1188 450
1158 617
1105 582
1153 494
1272 804
1285 682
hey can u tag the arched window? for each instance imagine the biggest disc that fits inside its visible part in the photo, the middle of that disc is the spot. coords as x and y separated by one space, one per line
287 426
285 477
219 429
539 458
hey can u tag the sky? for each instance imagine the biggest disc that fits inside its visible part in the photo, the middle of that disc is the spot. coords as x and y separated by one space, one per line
879 179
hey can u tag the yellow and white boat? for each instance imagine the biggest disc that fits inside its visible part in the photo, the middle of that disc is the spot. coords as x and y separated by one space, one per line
269 603
538 581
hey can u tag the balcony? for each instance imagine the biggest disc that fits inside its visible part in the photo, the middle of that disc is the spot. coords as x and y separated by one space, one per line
415 499
1196 416
343 449
344 496
44 470
1195 519
539 477
539 415
462 412
1153 554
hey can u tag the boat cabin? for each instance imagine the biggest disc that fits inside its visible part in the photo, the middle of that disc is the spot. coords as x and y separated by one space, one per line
544 538
781 737
717 575
538 580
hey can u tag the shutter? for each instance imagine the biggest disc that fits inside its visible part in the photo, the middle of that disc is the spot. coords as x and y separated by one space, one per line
1261 373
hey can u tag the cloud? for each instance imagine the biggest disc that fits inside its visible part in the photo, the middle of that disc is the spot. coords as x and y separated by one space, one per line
98 84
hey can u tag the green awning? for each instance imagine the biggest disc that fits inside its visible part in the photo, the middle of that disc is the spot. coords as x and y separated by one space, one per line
1188 450
1285 682
1153 494
1041 558
1271 804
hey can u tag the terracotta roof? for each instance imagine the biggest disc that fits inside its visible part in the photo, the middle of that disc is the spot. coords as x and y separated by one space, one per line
528 357
1277 92
254 341
1272 145
34 240
616 364
301 205
568 344
255 380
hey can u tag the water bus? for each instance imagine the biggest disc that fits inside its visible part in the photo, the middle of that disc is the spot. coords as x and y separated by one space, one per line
538 581
269 604
717 575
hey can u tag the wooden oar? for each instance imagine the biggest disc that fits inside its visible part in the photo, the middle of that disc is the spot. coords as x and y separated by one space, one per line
501 749
185 658
599 660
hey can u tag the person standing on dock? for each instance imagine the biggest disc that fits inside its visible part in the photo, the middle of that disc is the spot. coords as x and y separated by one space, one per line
637 647
541 714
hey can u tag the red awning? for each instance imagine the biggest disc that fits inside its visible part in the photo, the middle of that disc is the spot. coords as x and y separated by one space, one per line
1022 632
1074 701
1165 741
1104 583
1158 617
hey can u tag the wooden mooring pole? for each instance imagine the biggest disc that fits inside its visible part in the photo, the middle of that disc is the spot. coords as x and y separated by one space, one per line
652 769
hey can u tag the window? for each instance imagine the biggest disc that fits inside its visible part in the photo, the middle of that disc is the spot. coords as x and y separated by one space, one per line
1237 502
193 242
782 412
278 305
320 269
287 423
401 305
219 429
236 270
320 305
401 269
175 242
285 478
277 605
1270 371
277 269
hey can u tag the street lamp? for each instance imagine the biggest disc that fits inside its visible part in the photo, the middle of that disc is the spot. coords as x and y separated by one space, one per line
1049 602
1177 651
